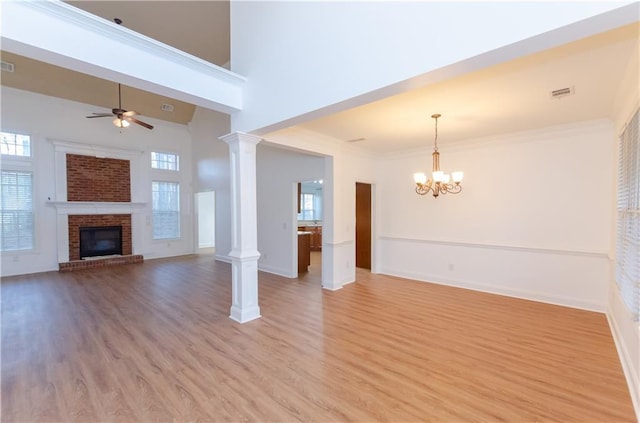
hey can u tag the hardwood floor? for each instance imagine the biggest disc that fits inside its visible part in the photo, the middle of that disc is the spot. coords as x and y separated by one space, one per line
153 342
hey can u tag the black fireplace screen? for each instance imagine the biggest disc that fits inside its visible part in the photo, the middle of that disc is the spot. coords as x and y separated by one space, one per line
100 241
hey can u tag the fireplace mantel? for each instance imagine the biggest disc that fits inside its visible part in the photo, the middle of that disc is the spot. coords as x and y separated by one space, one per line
90 207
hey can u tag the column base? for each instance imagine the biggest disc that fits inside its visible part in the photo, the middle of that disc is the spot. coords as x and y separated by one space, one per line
331 287
244 275
243 315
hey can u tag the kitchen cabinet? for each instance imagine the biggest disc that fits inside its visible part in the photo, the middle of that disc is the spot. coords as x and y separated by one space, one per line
304 251
316 236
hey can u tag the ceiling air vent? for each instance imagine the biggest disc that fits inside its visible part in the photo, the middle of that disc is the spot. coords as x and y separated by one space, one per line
166 107
6 66
562 92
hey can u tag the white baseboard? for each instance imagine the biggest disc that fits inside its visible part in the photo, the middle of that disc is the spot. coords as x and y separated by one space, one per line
275 270
633 380
223 257
492 289
162 256
331 288
261 267
35 269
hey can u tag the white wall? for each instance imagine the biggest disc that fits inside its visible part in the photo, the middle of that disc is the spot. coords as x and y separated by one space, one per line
278 172
299 57
211 170
532 221
48 118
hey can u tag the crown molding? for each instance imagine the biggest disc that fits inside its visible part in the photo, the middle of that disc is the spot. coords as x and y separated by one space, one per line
98 25
528 136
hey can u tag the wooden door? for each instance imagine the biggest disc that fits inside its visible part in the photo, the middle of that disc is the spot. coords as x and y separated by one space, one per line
363 225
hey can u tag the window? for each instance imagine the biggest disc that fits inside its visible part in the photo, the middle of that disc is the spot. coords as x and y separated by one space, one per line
16 211
628 231
166 161
310 207
15 144
166 210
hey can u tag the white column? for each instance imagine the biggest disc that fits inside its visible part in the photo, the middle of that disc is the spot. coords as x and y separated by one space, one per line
244 231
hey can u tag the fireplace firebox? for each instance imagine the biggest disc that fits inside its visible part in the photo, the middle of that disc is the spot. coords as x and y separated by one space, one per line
100 241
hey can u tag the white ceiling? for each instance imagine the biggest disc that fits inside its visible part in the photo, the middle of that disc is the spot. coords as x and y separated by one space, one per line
509 97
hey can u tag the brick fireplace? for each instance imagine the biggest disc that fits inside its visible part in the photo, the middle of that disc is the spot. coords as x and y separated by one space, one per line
96 192
100 220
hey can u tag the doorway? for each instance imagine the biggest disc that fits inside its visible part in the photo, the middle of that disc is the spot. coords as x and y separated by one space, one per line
309 228
363 225
206 220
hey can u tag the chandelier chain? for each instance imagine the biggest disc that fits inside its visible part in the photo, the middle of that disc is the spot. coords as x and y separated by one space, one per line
435 141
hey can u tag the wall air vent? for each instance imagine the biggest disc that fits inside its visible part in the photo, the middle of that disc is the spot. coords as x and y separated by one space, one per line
166 107
562 92
6 66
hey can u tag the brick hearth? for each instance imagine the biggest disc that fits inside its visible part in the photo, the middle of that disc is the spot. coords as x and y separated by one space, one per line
93 264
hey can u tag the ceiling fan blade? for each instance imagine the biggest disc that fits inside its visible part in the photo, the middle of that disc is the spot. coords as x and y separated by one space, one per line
139 122
97 115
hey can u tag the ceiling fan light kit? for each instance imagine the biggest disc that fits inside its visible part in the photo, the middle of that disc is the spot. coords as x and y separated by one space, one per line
440 182
121 123
123 117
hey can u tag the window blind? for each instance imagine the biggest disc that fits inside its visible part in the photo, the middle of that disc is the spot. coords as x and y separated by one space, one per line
166 210
310 207
628 213
16 210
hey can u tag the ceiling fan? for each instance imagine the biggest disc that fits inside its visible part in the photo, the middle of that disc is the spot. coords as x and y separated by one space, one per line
123 117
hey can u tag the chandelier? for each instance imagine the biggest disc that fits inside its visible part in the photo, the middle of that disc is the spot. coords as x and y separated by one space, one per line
441 182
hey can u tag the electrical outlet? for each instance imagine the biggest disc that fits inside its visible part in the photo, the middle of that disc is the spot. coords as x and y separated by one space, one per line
450 267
